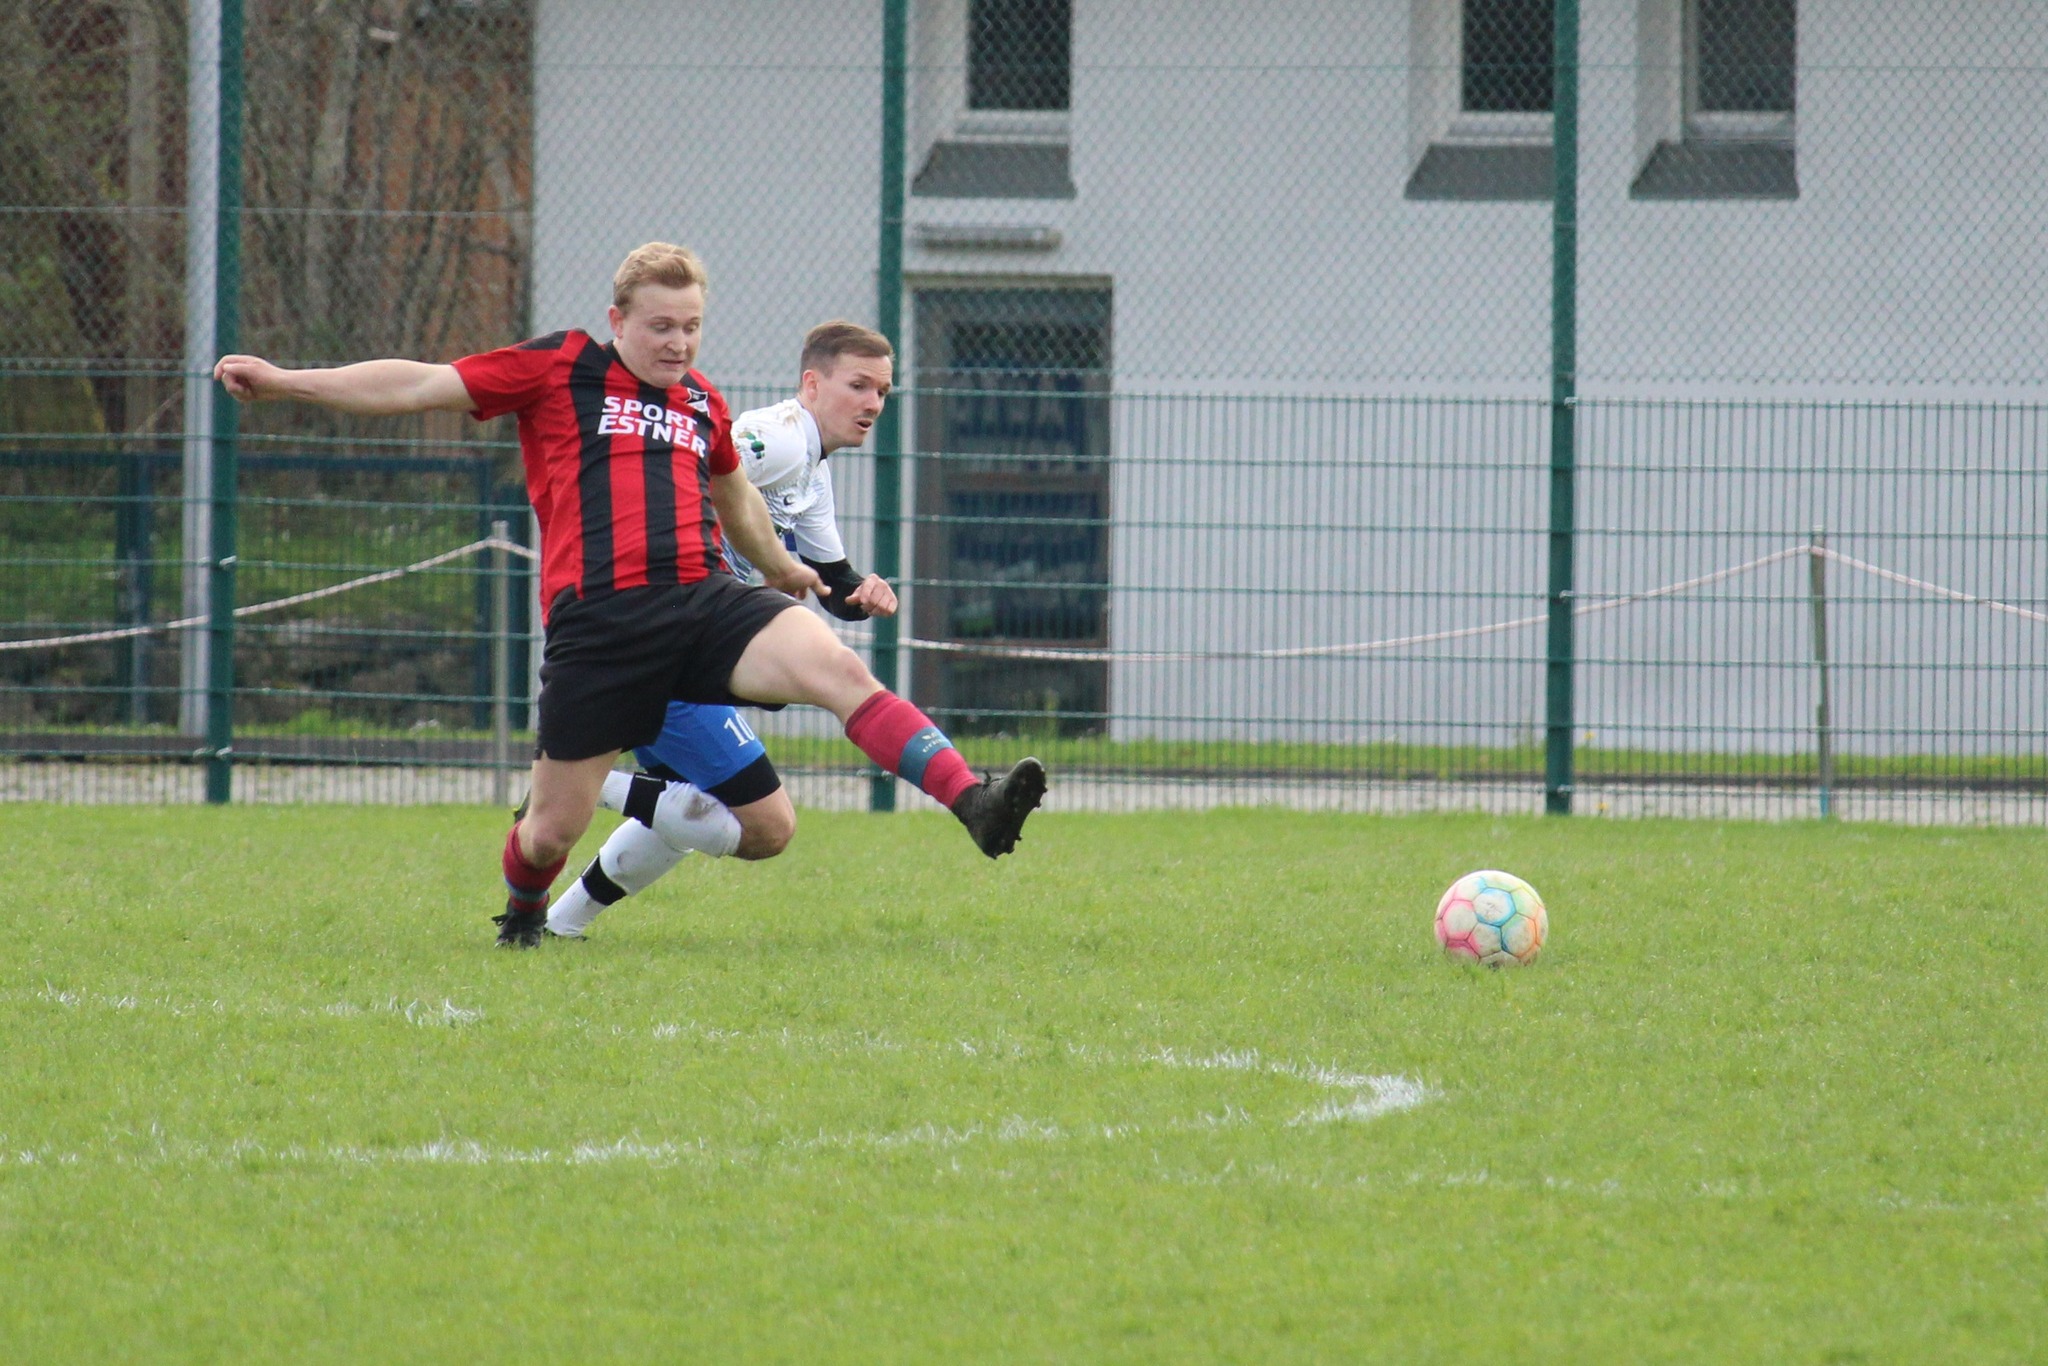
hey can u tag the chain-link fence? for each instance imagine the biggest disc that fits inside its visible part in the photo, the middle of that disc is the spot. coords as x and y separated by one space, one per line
1374 405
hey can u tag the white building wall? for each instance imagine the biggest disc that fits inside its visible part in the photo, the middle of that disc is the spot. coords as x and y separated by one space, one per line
747 132
1909 262
1240 180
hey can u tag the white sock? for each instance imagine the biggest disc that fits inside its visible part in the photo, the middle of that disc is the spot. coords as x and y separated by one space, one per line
631 861
690 818
573 910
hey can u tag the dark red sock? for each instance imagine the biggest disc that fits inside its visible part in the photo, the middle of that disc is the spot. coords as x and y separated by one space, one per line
903 740
526 885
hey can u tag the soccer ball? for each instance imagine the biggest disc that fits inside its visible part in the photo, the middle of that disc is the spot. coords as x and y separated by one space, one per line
1493 918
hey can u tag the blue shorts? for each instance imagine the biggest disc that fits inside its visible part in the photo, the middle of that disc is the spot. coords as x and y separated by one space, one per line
713 748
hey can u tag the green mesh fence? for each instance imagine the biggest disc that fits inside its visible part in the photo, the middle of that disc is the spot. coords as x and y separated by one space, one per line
1238 386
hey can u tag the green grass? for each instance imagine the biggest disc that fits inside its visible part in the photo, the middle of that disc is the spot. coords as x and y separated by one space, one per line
1772 1093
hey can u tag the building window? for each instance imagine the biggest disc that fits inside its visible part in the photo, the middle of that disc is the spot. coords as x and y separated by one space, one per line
1018 54
994 86
1012 520
1507 48
1740 70
1481 79
1732 136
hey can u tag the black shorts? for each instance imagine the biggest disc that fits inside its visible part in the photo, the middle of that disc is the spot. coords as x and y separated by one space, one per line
614 661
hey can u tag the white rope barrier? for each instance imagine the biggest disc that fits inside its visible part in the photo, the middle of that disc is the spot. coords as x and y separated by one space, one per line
1895 577
276 604
859 636
1352 648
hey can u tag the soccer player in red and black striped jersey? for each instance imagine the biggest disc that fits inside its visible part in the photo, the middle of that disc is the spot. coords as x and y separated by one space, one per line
634 480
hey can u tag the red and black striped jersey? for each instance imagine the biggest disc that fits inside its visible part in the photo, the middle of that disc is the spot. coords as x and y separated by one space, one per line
619 471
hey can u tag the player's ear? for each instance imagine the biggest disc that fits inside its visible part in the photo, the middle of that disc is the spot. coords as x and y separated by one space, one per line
616 316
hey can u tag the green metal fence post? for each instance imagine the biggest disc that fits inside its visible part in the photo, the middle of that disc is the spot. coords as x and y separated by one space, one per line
1564 323
220 597
1823 710
889 321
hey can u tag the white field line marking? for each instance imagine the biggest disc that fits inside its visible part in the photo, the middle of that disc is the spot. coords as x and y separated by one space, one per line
461 1152
1389 1095
417 1012
1369 1098
1015 1129
1359 1096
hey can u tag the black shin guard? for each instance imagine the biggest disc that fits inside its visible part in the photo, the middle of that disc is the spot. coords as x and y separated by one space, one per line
599 884
641 796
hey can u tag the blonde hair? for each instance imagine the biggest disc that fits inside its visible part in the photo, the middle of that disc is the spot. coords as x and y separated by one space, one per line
655 263
827 342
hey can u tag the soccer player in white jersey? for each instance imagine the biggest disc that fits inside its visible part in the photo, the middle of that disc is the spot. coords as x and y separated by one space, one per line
847 373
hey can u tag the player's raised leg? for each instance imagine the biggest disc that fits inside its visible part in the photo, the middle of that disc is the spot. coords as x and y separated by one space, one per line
796 658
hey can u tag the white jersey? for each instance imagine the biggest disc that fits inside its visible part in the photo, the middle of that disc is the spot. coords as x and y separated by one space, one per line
784 457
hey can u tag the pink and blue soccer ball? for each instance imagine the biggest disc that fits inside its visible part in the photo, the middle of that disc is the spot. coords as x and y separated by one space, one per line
1493 918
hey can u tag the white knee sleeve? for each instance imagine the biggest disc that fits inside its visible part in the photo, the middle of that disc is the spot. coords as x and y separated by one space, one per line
692 819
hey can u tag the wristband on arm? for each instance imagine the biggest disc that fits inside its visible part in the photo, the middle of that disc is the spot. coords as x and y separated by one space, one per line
839 576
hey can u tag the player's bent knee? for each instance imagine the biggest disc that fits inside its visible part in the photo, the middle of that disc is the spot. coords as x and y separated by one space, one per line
766 827
544 838
764 841
542 846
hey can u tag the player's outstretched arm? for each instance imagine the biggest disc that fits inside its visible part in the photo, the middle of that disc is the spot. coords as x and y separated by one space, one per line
371 388
748 526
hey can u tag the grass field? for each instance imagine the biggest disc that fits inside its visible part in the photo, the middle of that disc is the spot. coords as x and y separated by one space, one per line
1158 1088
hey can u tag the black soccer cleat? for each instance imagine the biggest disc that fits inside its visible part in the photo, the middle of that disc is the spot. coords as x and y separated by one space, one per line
519 929
994 809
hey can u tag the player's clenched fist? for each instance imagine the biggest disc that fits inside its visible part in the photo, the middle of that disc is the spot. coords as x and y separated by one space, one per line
249 378
875 595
